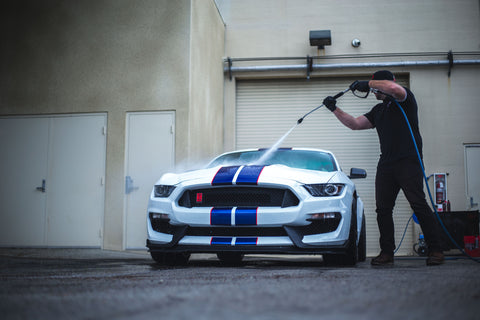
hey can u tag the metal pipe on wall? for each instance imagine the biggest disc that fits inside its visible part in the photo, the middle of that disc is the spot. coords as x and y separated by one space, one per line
309 66
319 67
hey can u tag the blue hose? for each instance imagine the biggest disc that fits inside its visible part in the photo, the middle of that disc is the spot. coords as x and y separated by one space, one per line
403 236
428 188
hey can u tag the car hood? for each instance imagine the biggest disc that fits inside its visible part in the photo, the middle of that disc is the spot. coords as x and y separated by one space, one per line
252 175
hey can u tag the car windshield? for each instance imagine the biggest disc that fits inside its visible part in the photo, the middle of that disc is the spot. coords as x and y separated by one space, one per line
301 159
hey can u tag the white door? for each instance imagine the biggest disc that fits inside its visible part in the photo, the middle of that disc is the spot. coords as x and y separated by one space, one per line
472 173
149 154
53 170
23 170
76 173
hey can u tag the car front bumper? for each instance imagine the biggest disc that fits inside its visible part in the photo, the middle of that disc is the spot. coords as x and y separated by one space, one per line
251 230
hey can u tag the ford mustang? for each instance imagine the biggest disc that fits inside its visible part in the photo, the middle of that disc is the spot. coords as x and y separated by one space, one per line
259 201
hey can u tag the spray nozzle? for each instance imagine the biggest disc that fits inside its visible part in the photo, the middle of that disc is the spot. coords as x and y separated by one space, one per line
387 96
299 120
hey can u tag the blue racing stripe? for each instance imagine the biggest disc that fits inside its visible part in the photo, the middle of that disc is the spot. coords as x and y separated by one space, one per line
249 175
224 175
246 216
221 216
246 241
221 240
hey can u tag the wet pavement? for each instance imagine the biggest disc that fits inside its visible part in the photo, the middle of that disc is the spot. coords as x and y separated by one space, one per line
100 284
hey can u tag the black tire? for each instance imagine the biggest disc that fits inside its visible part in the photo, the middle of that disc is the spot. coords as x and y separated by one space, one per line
230 258
350 257
362 243
332 259
170 258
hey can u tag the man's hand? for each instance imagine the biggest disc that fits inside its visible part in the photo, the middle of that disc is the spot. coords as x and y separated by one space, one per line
330 103
361 86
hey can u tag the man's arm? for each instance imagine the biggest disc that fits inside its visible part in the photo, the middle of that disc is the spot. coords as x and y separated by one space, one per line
389 87
358 123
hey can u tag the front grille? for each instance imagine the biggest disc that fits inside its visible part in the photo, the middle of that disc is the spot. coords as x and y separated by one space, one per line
238 197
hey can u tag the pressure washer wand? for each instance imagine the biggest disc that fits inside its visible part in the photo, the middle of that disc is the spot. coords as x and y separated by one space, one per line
338 95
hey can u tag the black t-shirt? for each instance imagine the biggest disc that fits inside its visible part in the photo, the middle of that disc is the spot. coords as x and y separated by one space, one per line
395 138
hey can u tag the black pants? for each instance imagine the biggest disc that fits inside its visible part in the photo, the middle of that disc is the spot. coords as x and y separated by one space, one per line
405 174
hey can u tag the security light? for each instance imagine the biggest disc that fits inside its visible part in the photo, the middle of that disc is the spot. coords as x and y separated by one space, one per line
320 38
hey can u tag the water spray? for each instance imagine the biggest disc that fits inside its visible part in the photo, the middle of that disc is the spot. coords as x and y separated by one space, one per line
272 149
275 146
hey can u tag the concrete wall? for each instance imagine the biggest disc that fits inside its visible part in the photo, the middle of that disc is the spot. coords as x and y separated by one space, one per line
272 28
116 56
449 113
206 82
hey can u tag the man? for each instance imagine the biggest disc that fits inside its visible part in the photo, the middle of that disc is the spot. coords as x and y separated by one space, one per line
398 166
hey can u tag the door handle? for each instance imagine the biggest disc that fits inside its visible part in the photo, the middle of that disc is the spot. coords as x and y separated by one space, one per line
43 187
129 187
473 204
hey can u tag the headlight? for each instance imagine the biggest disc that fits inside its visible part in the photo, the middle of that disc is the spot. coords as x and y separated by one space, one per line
163 191
325 189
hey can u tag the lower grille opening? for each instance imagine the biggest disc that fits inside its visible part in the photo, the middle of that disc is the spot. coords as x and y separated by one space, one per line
237 232
316 227
161 224
321 226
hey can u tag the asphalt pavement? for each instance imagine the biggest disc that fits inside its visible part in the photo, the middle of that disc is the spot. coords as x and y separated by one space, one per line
101 284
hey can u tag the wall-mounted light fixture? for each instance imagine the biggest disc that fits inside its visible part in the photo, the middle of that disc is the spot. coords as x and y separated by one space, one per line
320 38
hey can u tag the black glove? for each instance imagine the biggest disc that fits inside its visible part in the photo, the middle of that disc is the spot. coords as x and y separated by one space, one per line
361 86
330 103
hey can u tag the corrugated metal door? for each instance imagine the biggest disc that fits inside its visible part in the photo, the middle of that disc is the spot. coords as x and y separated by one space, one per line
267 109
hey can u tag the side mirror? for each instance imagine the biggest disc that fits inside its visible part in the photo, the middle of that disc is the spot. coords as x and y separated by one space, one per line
356 173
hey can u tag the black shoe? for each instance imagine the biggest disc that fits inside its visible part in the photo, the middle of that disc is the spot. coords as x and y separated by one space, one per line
435 258
383 259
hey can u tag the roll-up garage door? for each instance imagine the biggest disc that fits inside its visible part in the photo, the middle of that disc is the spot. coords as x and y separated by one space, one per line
267 109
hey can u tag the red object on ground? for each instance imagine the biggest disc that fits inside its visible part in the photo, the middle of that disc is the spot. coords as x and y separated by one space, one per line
472 245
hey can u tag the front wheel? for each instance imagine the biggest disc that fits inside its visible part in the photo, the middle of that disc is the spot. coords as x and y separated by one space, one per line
362 242
170 258
230 258
351 255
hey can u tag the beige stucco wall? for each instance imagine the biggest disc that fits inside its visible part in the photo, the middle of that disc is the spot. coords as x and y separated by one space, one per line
449 113
449 118
116 56
205 127
272 28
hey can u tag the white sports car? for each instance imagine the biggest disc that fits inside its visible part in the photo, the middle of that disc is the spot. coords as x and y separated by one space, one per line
289 201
